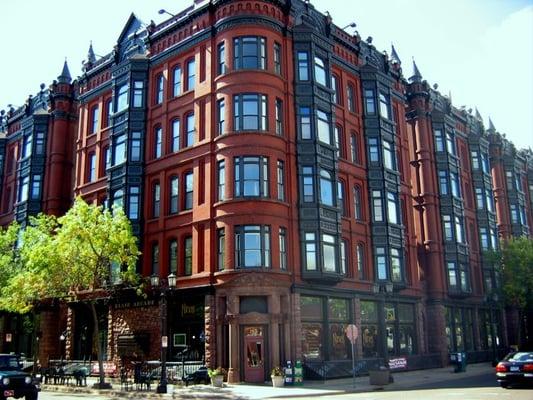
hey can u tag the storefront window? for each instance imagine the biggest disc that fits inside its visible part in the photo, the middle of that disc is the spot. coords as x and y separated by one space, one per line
369 328
312 341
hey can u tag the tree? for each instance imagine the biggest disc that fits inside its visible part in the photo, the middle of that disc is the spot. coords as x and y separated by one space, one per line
79 256
515 260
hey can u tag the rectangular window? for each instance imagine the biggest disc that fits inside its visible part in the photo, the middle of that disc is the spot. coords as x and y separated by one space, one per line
357 203
122 97
191 74
392 207
308 184
282 248
350 98
480 199
107 158
279 117
456 187
310 251
439 140
251 177
92 168
155 259
388 155
158 142
175 143
320 71
159 91
339 141
189 187
221 248
344 261
452 275
484 238
355 149
249 52
36 187
450 143
381 263
328 253
335 86
156 198
221 180
326 188
27 144
384 105
475 160
95 116
277 58
514 213
109 111
119 151
459 230
340 198
138 87
303 66
448 229
187 259
135 146
23 189
396 265
250 112
305 122
174 195
281 180
176 79
39 143
485 163
190 130
323 127
377 205
221 56
373 150
252 246
490 200
221 115
370 102
360 261
443 182
133 206
173 257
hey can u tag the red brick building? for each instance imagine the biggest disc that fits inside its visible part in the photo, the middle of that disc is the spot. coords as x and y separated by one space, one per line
293 182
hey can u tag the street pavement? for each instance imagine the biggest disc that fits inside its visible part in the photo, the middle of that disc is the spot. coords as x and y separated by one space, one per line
477 383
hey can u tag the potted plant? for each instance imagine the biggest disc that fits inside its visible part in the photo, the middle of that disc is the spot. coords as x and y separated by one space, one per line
217 376
277 377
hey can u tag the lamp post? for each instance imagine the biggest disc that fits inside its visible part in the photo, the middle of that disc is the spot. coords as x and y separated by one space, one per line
493 304
162 386
163 11
383 290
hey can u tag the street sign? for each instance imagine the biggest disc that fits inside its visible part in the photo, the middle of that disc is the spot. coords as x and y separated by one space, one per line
352 333
164 342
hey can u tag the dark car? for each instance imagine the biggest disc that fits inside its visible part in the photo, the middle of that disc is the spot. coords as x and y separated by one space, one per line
15 383
515 368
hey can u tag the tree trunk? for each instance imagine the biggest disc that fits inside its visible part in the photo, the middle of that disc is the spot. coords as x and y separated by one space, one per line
96 336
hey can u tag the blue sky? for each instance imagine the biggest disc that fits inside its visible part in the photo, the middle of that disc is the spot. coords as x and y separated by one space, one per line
480 50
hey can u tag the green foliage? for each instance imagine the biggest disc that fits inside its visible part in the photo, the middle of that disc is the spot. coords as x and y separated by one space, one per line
63 257
516 262
216 372
8 253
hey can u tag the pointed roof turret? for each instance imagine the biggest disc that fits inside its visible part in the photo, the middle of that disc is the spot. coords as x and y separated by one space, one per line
394 55
417 76
478 115
65 74
492 128
91 58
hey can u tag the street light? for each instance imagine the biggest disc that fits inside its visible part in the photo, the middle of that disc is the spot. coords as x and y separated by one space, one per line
384 289
163 11
350 25
162 386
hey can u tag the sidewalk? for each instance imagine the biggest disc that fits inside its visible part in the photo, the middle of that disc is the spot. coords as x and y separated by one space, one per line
402 380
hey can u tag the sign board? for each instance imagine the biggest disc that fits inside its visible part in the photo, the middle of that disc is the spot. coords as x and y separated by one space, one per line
352 333
110 368
164 342
398 363
9 337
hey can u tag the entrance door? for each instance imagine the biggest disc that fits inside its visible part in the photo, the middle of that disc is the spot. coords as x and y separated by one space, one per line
254 350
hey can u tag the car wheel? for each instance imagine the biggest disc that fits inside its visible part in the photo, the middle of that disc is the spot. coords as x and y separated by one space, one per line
504 385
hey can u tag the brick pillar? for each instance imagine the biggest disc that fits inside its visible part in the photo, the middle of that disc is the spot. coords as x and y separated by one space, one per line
210 331
49 346
436 330
275 309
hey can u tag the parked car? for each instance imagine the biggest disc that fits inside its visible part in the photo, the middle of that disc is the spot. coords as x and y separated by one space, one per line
14 382
515 368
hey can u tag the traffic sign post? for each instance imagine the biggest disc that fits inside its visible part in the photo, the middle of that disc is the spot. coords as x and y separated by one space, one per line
352 333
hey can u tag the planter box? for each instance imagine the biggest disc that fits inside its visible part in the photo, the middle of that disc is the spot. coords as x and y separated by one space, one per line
277 381
217 380
379 378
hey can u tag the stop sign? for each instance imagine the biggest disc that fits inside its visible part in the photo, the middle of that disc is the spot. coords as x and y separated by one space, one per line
352 332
